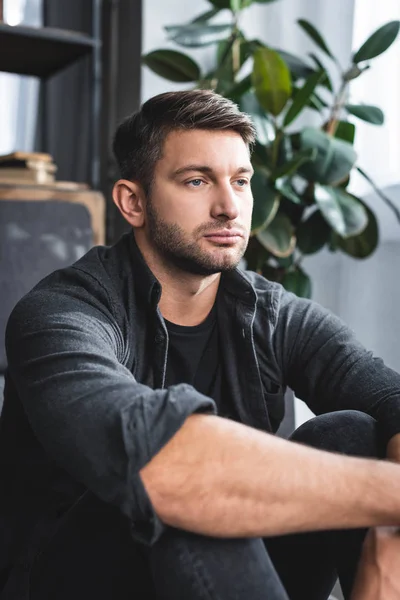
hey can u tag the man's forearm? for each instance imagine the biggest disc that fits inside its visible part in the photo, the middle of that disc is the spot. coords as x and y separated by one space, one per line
217 477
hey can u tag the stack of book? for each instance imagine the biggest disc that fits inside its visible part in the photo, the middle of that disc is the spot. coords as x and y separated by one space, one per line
27 168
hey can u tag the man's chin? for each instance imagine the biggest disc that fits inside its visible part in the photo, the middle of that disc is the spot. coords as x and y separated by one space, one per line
206 265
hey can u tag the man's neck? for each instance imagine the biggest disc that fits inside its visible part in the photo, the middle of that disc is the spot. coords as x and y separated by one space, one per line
187 302
186 299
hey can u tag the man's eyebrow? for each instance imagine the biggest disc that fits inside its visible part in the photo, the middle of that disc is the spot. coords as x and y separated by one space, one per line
245 170
206 169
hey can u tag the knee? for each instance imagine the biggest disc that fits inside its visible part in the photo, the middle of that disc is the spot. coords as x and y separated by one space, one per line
347 432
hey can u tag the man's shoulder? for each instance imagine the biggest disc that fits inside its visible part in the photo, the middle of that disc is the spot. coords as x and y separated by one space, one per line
277 303
261 284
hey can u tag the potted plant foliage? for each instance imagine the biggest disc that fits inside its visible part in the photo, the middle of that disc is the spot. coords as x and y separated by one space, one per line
300 187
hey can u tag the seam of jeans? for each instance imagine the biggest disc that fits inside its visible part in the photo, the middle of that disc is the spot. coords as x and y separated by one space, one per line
200 578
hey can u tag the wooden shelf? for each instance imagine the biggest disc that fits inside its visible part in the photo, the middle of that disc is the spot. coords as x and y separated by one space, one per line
40 51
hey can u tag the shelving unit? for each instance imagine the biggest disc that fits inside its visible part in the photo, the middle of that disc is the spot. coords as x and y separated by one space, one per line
43 51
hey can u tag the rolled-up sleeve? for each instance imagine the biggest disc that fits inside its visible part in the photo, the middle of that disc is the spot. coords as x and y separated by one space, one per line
86 408
327 367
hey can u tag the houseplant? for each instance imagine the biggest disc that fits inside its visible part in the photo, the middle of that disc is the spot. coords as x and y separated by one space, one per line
301 200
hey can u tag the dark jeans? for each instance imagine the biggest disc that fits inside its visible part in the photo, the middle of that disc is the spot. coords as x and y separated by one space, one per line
107 565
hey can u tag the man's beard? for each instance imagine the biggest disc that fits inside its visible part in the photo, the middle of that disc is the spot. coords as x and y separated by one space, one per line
170 243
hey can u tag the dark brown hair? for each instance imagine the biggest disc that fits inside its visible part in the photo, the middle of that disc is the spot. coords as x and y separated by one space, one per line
139 139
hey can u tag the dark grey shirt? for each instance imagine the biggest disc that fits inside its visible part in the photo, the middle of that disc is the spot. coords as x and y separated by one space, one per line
86 405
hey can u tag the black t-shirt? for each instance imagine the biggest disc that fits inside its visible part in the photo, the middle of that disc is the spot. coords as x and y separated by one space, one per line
195 357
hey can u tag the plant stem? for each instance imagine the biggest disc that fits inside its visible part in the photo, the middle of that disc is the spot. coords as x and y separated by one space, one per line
275 144
339 102
236 45
379 192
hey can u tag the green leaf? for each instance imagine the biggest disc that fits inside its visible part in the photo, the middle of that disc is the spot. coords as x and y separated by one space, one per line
378 42
285 188
298 68
239 88
344 212
313 233
196 35
366 112
320 66
294 164
227 3
278 238
264 128
271 273
303 96
204 17
334 161
316 37
366 242
225 50
346 131
266 202
380 194
255 255
297 282
172 65
317 103
237 5
220 4
259 157
271 80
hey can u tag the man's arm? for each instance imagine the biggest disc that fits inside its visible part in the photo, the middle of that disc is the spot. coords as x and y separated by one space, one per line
320 358
65 356
217 477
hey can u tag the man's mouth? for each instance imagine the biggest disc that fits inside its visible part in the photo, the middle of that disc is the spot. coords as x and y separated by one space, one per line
224 236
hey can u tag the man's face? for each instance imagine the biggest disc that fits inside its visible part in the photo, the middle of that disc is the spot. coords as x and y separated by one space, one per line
199 211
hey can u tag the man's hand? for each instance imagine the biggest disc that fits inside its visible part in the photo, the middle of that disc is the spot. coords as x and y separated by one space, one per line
378 575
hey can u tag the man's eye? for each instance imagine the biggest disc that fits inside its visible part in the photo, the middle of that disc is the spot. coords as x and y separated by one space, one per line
242 182
195 182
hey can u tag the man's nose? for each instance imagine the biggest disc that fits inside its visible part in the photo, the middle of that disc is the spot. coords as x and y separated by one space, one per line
226 203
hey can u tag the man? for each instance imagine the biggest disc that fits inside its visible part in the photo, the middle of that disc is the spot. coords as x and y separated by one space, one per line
146 381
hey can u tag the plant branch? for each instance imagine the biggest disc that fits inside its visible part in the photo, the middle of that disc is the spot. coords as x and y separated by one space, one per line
338 104
379 192
236 45
275 144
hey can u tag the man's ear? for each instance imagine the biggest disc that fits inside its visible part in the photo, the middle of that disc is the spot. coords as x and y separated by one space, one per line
130 199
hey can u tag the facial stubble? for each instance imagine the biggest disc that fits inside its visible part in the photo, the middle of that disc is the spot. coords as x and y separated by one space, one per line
169 239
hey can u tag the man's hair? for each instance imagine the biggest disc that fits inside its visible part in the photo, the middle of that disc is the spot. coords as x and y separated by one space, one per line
139 139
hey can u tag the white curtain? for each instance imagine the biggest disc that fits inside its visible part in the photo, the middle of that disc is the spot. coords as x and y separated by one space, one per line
378 147
19 96
370 290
